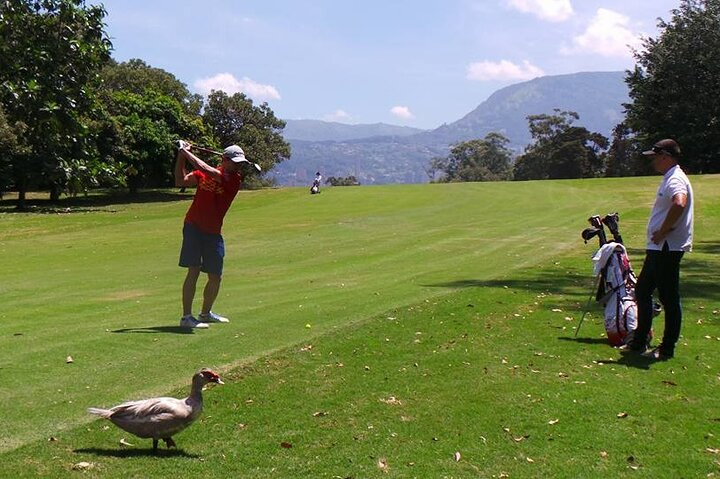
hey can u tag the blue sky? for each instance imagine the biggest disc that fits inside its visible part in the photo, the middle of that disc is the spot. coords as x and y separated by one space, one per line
417 63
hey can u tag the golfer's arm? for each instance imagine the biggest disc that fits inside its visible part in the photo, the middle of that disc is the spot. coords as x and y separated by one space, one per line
181 172
201 165
674 213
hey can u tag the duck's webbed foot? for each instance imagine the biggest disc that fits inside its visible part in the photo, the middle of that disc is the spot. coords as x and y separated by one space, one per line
169 442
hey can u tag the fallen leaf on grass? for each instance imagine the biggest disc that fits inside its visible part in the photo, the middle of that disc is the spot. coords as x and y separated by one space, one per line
622 415
69 360
392 400
712 450
669 383
603 454
286 445
530 460
552 422
83 466
521 438
319 414
382 464
456 456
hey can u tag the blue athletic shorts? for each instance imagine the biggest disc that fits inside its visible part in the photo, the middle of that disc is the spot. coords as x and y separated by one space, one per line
202 249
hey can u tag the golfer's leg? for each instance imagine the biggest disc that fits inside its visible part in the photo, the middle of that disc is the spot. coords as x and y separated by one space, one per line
188 290
212 288
669 293
643 294
213 259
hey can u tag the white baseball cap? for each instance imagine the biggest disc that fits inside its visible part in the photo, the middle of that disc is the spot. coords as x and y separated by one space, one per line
234 153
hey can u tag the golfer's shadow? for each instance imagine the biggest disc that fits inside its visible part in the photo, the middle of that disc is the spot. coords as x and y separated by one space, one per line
144 452
633 361
628 359
156 329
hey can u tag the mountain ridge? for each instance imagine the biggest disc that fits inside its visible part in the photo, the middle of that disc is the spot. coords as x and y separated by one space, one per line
597 97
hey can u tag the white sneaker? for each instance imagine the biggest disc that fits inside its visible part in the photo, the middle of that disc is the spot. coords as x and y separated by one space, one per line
212 318
190 322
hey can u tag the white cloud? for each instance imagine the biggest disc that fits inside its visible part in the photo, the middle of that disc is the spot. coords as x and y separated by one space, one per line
231 85
608 35
502 70
402 112
550 10
338 115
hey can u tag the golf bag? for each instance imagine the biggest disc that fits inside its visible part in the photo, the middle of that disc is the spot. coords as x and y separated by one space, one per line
615 280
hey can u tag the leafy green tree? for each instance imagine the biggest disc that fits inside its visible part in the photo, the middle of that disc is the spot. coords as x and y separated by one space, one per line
488 159
436 165
674 86
145 110
51 52
9 148
235 120
136 76
624 156
342 181
560 150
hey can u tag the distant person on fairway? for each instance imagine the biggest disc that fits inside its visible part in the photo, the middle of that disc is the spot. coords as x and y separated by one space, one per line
203 248
315 188
669 236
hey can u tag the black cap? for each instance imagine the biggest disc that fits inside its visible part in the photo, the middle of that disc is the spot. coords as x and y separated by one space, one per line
667 146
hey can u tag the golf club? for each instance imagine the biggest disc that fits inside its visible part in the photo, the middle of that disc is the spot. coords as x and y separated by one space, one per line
219 153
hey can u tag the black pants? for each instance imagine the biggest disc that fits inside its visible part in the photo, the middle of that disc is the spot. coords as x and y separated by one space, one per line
661 271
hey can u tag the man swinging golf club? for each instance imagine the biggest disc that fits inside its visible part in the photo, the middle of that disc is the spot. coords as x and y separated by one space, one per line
203 248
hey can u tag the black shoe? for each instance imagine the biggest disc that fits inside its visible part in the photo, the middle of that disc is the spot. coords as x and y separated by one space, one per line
633 347
659 354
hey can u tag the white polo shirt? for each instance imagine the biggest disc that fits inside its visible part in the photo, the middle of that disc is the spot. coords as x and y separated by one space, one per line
680 238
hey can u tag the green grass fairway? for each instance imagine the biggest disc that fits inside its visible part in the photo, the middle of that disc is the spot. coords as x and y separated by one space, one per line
375 332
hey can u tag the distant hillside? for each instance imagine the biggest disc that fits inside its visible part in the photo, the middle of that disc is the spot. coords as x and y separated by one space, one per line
597 97
316 130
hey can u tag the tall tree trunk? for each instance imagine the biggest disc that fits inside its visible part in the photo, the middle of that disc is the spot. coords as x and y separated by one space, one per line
55 192
21 204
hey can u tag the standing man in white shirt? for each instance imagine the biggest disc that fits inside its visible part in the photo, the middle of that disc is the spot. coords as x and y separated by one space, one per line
669 236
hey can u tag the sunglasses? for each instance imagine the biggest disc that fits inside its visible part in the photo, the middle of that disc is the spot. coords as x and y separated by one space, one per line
660 151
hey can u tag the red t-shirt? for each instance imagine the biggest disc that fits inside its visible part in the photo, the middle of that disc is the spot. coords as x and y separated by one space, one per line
212 200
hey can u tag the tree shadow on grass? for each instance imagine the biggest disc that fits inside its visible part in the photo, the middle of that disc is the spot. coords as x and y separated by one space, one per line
156 330
697 276
146 452
567 290
92 202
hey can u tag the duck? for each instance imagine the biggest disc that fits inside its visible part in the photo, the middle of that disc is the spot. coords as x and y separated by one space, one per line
160 417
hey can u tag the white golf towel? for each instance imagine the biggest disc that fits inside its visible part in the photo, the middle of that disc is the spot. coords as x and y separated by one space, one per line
602 255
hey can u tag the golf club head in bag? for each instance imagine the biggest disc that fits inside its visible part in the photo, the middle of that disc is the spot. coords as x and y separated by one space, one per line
589 233
596 229
611 220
